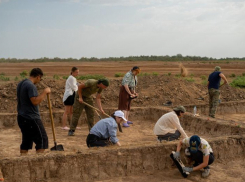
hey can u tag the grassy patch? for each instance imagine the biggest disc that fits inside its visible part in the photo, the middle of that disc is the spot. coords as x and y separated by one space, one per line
189 79
203 77
4 78
169 74
24 73
238 82
118 75
205 82
56 77
155 73
178 75
233 75
86 77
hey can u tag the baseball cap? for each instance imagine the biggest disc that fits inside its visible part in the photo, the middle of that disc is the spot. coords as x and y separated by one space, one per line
194 143
120 114
180 108
104 81
217 68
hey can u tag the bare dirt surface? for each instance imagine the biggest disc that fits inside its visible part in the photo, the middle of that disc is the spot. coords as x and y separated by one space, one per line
153 91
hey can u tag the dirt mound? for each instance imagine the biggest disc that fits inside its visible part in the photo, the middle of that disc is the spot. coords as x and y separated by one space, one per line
153 91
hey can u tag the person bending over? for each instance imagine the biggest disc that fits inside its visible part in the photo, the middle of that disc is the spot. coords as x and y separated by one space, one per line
168 126
104 132
199 151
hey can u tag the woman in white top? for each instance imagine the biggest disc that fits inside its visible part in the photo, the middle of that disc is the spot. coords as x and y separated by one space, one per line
168 126
69 95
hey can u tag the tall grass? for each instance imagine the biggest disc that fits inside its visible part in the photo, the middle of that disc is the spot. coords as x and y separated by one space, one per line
238 82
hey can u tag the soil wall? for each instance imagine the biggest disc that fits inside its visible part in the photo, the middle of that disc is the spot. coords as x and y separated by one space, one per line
104 163
200 125
232 107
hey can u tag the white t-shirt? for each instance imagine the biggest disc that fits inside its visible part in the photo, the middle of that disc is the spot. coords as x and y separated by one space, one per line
204 147
169 123
71 86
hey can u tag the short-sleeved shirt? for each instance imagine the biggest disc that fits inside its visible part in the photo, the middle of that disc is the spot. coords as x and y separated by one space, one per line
25 91
130 79
91 88
214 80
204 147
106 128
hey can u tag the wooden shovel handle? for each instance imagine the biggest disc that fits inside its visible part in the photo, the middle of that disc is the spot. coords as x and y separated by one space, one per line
51 116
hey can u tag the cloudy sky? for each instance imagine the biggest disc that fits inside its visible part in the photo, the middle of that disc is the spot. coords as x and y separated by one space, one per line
114 28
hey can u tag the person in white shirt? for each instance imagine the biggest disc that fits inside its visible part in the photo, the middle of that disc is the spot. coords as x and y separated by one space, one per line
69 96
199 151
168 126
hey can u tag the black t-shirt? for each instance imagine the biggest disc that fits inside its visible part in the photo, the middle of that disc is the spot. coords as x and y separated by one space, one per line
214 80
26 90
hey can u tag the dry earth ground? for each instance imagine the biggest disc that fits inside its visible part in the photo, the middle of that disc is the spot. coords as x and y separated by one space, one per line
140 133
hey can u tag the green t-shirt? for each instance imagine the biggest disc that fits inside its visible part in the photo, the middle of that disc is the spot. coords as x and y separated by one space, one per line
91 88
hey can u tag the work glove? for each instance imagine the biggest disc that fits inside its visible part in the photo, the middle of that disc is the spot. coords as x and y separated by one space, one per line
187 169
176 155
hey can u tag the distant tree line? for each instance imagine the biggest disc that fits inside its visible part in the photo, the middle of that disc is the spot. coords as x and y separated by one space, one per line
177 57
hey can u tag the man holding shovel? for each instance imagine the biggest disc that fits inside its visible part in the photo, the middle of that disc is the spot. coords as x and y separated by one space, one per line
84 93
213 89
29 120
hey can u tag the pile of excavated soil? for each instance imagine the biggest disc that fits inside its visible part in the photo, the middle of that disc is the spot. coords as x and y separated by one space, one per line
153 91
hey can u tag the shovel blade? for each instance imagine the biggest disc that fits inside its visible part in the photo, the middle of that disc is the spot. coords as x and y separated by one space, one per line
58 148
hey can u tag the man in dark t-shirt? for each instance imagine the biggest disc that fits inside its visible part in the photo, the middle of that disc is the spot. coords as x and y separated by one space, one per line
29 120
213 89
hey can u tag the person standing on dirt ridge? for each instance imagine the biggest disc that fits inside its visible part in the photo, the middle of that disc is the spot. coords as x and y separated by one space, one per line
84 93
213 89
104 132
168 126
199 151
29 120
69 96
127 93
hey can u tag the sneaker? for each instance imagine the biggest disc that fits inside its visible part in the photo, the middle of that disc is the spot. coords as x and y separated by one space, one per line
129 122
205 173
125 125
65 128
71 133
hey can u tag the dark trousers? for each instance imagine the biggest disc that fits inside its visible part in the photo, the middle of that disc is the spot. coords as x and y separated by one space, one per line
169 136
95 141
198 158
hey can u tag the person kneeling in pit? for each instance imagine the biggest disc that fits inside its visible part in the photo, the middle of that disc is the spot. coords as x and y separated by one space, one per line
198 151
104 132
168 126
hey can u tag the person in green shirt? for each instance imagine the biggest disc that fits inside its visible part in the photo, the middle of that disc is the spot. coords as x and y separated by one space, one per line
84 94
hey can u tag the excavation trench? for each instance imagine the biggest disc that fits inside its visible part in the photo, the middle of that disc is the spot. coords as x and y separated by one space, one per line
140 152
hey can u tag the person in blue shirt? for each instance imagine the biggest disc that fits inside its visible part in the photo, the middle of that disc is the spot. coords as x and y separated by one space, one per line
213 89
104 132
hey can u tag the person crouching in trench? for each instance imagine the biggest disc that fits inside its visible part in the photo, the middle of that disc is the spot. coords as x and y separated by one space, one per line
168 126
104 132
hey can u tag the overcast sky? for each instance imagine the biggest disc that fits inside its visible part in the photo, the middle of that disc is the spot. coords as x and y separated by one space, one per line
114 28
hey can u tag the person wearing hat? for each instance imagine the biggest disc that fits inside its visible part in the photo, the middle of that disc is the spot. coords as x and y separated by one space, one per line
84 94
127 93
199 151
168 126
213 89
104 132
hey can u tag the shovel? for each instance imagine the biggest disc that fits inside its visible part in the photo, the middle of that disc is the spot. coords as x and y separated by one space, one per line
56 147
119 126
